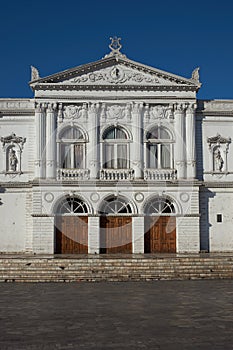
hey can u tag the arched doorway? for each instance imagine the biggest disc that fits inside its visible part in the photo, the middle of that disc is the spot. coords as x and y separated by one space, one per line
71 227
160 226
115 226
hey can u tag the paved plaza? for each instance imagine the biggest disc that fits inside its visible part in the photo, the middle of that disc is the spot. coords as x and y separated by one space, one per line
134 315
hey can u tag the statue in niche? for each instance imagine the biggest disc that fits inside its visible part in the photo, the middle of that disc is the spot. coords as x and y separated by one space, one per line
218 161
13 160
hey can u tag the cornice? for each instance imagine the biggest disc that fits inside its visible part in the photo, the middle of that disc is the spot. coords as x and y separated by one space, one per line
70 87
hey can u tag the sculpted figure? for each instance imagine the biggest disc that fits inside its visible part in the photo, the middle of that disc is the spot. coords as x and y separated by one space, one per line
218 161
13 160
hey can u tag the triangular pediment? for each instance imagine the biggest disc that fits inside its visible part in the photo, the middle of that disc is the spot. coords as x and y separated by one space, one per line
114 72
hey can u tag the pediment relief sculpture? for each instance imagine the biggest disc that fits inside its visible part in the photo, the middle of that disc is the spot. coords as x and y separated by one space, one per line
115 75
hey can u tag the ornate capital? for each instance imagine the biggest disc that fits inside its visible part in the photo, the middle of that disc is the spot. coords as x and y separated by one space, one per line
191 107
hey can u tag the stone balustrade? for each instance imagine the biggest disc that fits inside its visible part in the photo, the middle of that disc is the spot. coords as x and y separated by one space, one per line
116 174
160 174
73 174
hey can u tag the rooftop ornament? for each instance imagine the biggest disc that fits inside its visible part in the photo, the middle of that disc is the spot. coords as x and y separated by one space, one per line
115 47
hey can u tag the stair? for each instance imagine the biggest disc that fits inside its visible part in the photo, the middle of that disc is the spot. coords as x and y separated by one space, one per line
99 268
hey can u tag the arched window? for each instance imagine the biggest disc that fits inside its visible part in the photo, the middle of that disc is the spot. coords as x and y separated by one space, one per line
115 205
159 146
72 205
72 148
115 149
159 205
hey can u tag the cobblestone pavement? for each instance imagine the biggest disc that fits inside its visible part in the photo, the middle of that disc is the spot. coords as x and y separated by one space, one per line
133 315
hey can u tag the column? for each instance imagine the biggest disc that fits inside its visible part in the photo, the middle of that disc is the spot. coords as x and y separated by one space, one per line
190 141
136 146
180 141
39 141
138 234
93 147
50 142
93 235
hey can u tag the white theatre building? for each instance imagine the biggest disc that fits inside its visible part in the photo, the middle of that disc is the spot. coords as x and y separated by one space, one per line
115 156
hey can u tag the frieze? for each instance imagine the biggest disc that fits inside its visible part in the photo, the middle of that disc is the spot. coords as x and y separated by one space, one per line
12 104
73 112
159 112
116 112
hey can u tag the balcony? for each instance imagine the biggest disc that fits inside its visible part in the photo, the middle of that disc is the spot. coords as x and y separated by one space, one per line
160 174
73 174
116 174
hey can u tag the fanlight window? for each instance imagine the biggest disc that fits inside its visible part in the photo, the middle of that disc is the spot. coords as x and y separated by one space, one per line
159 149
114 206
72 133
72 205
115 149
114 134
72 149
160 206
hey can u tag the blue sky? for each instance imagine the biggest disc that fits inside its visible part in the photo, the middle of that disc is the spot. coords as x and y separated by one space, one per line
175 36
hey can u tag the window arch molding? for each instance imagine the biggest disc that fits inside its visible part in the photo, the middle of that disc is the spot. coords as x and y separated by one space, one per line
109 127
161 205
66 127
165 127
117 205
159 147
72 205
71 147
115 147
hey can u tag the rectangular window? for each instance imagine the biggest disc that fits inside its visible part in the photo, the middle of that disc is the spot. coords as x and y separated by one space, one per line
219 217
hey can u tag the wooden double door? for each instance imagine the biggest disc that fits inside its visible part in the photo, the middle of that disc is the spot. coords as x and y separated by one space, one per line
71 235
160 234
115 234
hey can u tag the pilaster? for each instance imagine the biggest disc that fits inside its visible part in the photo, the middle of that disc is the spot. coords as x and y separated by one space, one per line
190 141
180 141
51 141
93 152
136 149
40 141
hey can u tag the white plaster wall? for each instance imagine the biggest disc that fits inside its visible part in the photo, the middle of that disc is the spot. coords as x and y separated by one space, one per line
12 221
187 233
43 235
221 234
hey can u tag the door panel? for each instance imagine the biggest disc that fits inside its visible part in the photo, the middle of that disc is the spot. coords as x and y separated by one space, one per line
115 234
160 234
71 235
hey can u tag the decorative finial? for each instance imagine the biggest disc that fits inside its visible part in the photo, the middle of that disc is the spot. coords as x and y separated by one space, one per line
34 73
195 74
115 45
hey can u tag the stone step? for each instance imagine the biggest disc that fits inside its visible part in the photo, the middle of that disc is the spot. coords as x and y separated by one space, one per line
110 269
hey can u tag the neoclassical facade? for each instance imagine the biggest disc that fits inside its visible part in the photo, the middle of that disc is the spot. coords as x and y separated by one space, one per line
115 157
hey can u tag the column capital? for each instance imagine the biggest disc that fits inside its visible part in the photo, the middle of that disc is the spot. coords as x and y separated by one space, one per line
191 108
51 107
179 108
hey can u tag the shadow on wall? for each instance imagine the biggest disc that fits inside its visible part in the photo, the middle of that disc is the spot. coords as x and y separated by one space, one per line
205 225
199 141
2 190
